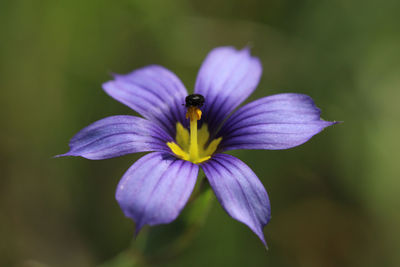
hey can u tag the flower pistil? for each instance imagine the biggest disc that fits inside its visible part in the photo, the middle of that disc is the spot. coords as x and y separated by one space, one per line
193 146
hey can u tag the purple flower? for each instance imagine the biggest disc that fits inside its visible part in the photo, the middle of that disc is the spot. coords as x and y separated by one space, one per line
183 138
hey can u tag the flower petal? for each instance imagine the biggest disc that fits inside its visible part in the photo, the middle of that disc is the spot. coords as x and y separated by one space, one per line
275 122
239 191
226 78
116 136
154 92
156 188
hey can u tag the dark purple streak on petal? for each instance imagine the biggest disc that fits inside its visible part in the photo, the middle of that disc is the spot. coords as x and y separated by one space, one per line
116 136
239 191
154 92
156 188
275 122
226 78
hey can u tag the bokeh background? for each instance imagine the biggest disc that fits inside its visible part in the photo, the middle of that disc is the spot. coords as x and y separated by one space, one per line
335 200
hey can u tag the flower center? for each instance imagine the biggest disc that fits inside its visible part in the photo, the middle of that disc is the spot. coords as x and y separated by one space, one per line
193 146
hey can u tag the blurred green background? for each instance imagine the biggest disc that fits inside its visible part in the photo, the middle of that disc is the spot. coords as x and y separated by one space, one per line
335 200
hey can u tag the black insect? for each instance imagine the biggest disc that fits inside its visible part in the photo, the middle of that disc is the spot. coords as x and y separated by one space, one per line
194 100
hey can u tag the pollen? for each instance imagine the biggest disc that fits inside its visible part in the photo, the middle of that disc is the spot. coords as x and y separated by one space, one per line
194 113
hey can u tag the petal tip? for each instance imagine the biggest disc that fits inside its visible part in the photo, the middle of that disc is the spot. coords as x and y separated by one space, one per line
262 238
114 75
248 46
63 155
106 85
260 234
138 227
330 123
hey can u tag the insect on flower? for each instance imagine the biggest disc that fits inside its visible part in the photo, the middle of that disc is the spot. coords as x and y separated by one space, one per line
194 100
184 132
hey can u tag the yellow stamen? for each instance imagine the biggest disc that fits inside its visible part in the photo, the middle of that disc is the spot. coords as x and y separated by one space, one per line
193 146
182 136
177 150
213 146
